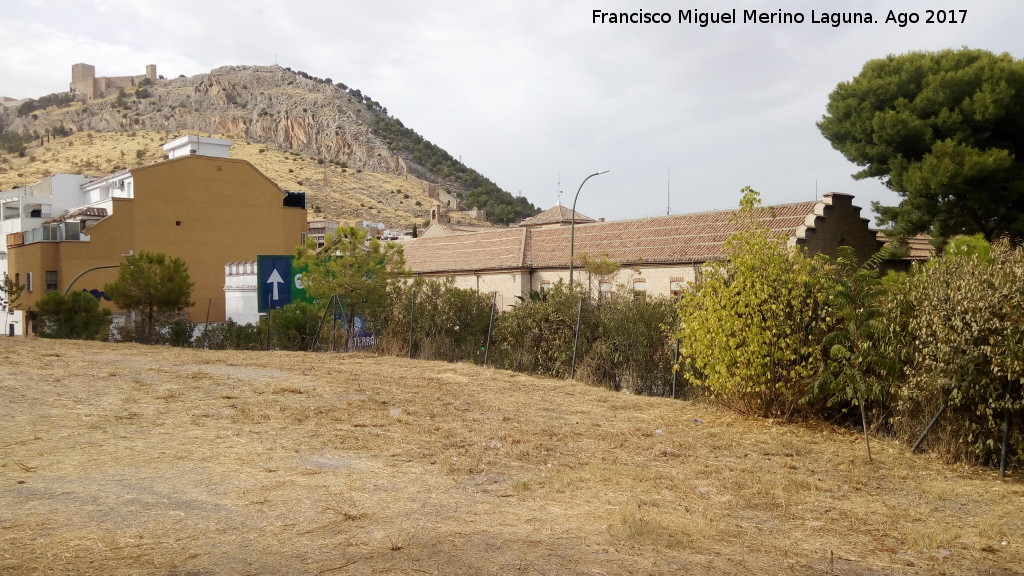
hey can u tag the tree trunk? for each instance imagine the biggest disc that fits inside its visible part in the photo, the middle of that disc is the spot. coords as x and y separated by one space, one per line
150 314
351 326
864 423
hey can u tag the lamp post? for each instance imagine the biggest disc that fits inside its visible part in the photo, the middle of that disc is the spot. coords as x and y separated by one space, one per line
86 271
572 227
103 267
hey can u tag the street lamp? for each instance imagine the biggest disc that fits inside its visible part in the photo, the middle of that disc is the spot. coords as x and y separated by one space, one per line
103 267
572 227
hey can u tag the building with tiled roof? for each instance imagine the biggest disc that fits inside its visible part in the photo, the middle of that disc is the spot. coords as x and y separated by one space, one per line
658 255
917 248
557 215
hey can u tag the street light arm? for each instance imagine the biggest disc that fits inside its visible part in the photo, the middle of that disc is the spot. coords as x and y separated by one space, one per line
86 271
572 227
577 197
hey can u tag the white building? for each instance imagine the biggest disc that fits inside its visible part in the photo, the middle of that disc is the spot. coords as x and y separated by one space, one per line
25 209
201 145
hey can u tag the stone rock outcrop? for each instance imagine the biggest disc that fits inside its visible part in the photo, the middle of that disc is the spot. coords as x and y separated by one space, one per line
266 104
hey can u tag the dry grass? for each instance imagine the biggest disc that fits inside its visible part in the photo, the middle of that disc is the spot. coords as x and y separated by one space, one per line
344 194
121 459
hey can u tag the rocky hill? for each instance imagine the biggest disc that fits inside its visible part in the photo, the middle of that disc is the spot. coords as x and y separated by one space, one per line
356 161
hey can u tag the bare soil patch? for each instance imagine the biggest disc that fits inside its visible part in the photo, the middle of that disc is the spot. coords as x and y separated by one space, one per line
124 459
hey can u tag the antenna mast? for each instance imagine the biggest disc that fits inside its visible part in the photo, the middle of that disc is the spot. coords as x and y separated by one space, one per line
668 201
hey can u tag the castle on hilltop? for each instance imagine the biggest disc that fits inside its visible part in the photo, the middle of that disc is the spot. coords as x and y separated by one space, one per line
85 83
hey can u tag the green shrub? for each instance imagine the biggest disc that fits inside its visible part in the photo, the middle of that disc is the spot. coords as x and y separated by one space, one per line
231 336
536 335
632 348
860 359
751 326
967 338
293 327
449 323
77 316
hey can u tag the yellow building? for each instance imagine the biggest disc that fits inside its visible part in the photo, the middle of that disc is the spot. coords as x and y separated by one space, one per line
199 205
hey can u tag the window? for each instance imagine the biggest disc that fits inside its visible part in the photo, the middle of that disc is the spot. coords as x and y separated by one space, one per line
51 280
28 281
675 287
640 285
302 239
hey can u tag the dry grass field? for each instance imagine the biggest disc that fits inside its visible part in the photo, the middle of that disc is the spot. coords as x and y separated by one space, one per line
124 459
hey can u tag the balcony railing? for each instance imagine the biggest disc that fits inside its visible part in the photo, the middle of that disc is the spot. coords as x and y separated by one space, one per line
64 231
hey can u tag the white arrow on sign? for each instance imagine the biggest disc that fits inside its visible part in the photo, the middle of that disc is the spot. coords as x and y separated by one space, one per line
275 279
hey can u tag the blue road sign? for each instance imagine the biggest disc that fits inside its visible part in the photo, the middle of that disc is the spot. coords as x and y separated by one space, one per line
274 281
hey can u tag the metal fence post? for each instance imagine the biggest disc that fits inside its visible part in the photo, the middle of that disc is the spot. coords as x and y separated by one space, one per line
490 323
412 309
576 340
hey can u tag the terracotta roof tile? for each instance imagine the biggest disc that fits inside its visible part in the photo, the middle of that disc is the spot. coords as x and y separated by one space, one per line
919 247
493 250
680 238
557 214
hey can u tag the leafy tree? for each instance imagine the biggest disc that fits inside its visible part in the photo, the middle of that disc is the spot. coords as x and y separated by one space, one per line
602 268
751 326
77 315
151 282
10 294
121 100
945 130
356 270
12 142
860 360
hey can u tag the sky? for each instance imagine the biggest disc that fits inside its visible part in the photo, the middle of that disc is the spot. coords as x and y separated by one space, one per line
538 95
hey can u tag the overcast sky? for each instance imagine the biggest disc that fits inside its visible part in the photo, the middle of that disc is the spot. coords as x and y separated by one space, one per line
536 95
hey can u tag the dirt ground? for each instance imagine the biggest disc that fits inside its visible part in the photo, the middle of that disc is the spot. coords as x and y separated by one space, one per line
125 459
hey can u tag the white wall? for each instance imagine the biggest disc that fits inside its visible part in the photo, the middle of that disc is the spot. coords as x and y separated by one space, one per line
240 293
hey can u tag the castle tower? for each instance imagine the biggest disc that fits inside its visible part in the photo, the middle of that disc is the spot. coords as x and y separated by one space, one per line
80 72
151 72
83 80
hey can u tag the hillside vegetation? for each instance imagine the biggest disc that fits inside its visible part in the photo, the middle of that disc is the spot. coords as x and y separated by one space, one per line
312 119
173 461
345 194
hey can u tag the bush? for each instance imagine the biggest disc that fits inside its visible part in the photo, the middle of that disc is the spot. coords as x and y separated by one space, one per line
448 323
751 327
293 327
232 336
537 334
77 316
966 338
632 349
